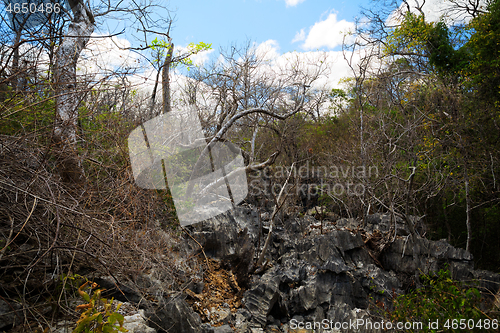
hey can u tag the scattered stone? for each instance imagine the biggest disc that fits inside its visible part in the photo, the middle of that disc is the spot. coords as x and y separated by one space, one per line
137 324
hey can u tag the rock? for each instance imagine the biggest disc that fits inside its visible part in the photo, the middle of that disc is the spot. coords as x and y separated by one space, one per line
173 314
380 284
137 324
125 293
316 210
321 249
489 281
383 223
431 255
231 237
10 314
347 223
222 315
220 235
260 299
223 329
240 321
320 288
63 326
331 276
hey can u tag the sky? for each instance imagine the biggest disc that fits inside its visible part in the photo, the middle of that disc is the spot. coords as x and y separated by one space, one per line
300 25
278 29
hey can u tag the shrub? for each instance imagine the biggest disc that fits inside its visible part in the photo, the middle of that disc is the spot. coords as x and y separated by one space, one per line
454 305
99 315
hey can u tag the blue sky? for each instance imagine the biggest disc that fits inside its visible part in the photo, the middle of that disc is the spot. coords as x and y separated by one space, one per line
226 22
279 29
283 31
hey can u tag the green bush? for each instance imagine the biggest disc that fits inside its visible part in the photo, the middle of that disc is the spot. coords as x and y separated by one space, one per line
455 306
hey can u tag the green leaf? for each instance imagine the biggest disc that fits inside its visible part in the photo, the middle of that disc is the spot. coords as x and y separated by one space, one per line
116 317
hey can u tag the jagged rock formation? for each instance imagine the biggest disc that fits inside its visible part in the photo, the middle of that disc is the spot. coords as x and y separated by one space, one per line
331 274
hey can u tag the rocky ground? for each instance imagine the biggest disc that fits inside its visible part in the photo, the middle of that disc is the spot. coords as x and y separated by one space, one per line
315 271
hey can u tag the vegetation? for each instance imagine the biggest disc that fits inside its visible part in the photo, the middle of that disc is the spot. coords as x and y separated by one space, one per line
99 315
413 132
442 303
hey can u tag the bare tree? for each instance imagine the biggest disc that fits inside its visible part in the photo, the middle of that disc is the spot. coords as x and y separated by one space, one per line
65 86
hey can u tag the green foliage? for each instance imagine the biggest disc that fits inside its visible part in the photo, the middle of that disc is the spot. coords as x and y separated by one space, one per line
22 115
440 298
70 282
163 47
484 69
410 37
442 54
459 99
99 315
415 37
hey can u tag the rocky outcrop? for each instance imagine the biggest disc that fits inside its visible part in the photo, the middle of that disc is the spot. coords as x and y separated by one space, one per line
332 276
431 256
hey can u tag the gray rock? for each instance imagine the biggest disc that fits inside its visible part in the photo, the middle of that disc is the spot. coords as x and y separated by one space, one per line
10 314
223 329
320 288
241 321
344 319
137 324
330 276
322 250
260 299
489 281
64 326
125 293
173 314
431 256
231 237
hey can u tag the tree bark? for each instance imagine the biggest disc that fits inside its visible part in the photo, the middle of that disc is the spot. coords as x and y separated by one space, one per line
65 83
167 106
467 208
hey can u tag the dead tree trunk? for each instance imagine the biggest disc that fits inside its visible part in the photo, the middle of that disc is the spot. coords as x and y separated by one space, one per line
65 86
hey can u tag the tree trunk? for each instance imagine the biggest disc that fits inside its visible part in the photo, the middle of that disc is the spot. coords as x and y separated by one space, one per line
467 209
65 83
167 107
15 62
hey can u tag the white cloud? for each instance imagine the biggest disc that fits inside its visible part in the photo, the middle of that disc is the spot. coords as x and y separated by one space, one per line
435 10
201 58
268 50
327 33
329 67
293 3
105 54
299 36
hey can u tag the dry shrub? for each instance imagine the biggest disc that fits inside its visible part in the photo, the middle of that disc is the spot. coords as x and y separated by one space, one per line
50 229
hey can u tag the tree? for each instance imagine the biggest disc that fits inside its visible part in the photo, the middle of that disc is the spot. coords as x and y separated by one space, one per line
61 37
437 85
66 89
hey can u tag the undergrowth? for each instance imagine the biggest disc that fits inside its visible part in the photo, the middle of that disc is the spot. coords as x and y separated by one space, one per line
443 304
